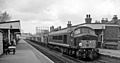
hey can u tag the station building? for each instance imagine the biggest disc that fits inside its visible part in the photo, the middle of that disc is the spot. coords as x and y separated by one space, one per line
8 30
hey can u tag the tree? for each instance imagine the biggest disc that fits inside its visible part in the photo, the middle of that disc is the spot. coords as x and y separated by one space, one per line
4 17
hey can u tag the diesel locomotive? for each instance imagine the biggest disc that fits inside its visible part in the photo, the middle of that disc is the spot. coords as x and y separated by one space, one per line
78 41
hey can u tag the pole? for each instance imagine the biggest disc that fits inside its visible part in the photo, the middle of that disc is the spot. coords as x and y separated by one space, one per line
9 36
103 27
102 39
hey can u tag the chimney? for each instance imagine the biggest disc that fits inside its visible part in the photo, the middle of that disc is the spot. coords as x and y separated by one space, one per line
106 20
59 27
102 21
115 17
69 24
88 19
51 28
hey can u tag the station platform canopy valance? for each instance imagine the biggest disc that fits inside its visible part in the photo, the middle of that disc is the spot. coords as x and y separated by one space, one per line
10 25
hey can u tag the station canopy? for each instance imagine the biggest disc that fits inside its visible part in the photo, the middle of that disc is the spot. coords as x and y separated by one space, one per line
13 25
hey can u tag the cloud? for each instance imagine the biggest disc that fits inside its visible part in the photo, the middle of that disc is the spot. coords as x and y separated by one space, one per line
2 4
58 12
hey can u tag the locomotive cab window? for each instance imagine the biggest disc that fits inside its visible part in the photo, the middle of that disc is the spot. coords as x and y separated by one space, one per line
77 31
83 30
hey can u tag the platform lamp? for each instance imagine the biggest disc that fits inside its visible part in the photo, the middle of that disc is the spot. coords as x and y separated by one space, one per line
9 37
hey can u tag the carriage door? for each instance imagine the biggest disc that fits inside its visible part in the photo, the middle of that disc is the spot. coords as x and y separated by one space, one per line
75 41
65 39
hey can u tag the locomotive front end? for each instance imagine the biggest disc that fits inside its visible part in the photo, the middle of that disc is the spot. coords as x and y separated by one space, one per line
85 40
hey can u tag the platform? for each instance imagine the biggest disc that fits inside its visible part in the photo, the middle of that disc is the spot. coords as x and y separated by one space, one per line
110 53
25 53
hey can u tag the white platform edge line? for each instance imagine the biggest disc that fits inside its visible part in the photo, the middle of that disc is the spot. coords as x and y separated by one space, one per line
41 53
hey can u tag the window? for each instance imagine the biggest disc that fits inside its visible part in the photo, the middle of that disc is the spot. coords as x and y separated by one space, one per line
83 30
57 37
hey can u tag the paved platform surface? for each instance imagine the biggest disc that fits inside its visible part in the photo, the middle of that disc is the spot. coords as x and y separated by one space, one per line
110 52
25 53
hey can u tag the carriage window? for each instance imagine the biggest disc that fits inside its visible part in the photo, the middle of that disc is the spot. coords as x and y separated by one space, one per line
57 37
60 37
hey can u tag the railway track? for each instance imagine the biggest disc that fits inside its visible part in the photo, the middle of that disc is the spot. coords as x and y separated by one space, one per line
54 56
58 57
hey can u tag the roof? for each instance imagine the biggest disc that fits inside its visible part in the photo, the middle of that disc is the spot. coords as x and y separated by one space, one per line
98 26
10 24
80 35
92 25
65 30
9 21
62 31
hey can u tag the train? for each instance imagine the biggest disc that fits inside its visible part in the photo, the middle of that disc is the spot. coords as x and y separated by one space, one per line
78 41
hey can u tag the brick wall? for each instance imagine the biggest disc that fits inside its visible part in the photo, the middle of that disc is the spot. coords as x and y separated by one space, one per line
111 37
111 33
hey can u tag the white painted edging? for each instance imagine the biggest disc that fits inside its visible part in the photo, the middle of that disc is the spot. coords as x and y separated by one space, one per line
40 53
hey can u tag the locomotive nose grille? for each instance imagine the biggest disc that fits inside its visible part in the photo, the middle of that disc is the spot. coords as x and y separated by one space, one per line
88 43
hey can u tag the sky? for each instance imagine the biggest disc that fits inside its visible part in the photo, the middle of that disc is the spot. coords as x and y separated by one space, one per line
37 13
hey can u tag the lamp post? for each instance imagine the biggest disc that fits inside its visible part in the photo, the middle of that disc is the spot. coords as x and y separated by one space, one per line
9 37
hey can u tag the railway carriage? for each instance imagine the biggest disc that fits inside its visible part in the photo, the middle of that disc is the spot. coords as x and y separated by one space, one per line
78 41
